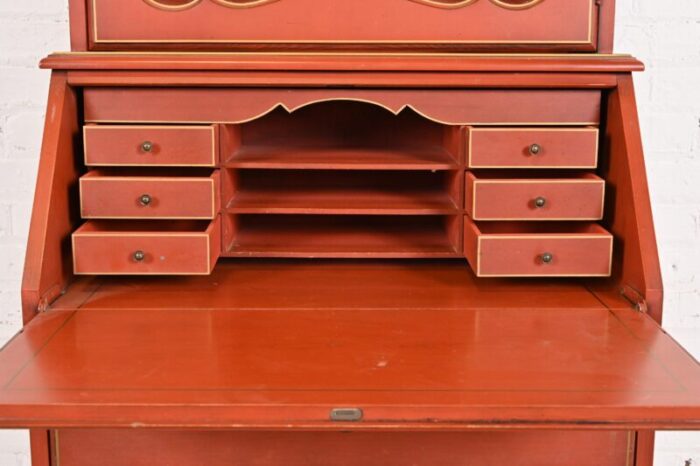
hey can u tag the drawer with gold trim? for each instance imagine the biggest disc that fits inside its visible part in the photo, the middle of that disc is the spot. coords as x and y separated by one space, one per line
532 147
136 196
506 249
146 248
579 197
149 145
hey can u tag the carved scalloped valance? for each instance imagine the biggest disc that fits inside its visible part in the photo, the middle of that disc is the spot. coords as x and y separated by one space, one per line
175 5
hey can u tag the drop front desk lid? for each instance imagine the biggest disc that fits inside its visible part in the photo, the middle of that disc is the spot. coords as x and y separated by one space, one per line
419 346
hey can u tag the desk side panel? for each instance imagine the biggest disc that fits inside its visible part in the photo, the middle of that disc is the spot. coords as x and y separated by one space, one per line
48 265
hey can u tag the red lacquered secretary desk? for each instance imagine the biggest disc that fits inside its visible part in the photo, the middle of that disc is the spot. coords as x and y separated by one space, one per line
343 232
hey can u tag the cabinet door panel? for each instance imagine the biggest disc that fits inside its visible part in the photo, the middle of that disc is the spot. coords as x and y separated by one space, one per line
461 24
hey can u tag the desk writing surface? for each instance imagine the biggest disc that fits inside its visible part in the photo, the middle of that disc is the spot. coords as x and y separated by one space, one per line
275 366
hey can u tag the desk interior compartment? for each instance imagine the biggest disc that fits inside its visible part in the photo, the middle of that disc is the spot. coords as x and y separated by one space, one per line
342 135
343 236
346 192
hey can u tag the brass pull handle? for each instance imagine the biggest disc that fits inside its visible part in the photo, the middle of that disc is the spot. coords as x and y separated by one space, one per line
547 258
535 149
139 256
145 200
147 146
540 202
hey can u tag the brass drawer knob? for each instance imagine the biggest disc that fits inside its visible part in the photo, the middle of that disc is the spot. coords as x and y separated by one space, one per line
547 258
147 146
535 149
145 200
139 256
540 202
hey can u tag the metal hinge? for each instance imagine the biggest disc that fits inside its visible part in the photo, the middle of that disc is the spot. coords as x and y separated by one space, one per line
49 296
635 298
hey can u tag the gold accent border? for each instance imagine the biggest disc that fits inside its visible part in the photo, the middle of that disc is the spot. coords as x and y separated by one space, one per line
205 234
539 236
161 6
156 179
470 150
97 40
56 448
510 6
478 180
210 127
247 4
446 6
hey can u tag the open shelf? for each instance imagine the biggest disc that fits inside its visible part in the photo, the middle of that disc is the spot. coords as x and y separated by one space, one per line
342 135
342 158
339 192
350 236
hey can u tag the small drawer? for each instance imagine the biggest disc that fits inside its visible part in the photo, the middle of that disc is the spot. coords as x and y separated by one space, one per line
532 148
157 146
146 248
538 250
104 196
572 198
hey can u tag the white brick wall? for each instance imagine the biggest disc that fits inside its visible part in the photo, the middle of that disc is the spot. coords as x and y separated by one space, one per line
665 34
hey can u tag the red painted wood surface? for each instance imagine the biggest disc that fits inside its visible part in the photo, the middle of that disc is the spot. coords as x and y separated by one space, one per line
346 192
379 24
496 249
331 284
119 195
390 79
328 158
169 248
606 26
78 25
564 198
144 448
629 216
344 236
191 105
571 354
431 368
48 264
549 65
119 145
510 148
